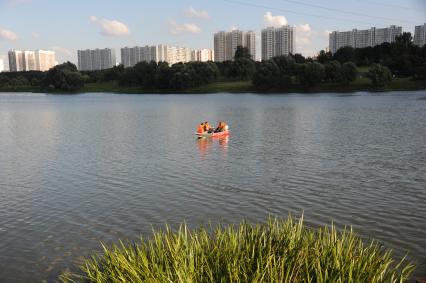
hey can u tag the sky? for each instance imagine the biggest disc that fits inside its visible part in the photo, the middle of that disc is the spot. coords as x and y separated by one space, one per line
68 25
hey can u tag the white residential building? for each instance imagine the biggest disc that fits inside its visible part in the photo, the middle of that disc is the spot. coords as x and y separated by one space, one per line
226 43
420 35
1 65
277 41
96 59
204 55
130 56
25 60
45 60
363 38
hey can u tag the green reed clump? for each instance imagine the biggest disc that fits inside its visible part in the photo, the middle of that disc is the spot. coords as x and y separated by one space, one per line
277 251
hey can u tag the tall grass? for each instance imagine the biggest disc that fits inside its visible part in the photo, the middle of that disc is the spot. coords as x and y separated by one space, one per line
277 251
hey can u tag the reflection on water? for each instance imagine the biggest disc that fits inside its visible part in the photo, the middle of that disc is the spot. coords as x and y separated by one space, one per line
77 170
216 145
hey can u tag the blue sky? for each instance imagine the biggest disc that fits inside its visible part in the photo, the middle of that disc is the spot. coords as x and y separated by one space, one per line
68 25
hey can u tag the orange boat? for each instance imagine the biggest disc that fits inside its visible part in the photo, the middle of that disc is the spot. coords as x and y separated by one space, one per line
213 135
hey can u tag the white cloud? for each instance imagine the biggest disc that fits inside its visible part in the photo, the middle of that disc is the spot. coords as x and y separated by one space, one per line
193 13
35 35
274 21
63 50
8 35
326 33
176 28
303 34
110 27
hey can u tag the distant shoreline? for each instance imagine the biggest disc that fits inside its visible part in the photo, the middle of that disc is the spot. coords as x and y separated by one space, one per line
398 84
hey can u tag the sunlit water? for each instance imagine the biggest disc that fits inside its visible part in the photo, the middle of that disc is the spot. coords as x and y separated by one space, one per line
77 170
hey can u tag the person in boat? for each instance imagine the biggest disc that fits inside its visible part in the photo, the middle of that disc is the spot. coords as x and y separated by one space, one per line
200 128
207 127
221 127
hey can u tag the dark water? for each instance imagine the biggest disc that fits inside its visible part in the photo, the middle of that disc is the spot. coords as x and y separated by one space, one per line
77 170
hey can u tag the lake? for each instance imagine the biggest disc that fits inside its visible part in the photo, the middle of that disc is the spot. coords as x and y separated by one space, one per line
77 170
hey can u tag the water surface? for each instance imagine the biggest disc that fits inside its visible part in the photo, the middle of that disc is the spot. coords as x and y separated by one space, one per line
77 170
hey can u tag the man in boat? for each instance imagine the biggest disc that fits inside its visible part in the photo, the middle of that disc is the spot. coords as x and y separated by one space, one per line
222 126
207 127
200 128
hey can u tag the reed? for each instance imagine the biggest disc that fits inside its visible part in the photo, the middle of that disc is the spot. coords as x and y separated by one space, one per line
277 251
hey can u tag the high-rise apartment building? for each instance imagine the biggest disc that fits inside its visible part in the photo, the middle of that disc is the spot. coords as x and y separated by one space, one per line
130 56
277 41
24 60
226 43
96 59
420 35
45 60
363 38
202 55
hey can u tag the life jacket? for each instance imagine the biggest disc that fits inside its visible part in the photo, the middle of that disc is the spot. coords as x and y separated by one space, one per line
200 129
206 127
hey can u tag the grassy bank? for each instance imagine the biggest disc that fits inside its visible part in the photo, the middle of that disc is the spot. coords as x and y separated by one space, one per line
278 251
361 84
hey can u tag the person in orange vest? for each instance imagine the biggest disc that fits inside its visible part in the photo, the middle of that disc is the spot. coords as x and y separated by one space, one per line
200 128
220 127
207 127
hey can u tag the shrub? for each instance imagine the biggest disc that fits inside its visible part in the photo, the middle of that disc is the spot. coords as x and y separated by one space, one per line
379 75
278 251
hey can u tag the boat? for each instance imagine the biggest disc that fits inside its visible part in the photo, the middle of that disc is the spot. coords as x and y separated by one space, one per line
213 135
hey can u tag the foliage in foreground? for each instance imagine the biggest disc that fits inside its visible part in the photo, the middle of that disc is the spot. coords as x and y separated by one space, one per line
278 251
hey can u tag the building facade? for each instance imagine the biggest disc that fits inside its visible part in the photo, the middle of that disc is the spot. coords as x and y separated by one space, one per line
277 41
25 60
1 65
226 43
96 59
45 60
130 56
363 38
420 35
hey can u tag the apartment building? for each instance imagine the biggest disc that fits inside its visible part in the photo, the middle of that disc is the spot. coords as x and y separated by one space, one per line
96 59
130 56
363 38
420 35
202 55
277 41
25 60
226 43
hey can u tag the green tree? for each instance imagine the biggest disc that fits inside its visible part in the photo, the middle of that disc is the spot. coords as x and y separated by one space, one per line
242 69
64 77
344 54
311 74
348 73
267 75
324 57
242 52
299 58
332 71
379 75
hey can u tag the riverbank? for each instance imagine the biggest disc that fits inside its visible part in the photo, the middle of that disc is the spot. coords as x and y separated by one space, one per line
278 251
361 84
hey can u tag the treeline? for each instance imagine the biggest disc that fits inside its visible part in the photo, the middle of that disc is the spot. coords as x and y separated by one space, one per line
398 59
64 77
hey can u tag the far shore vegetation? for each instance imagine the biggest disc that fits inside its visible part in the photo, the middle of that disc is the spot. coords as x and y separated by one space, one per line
400 65
277 251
